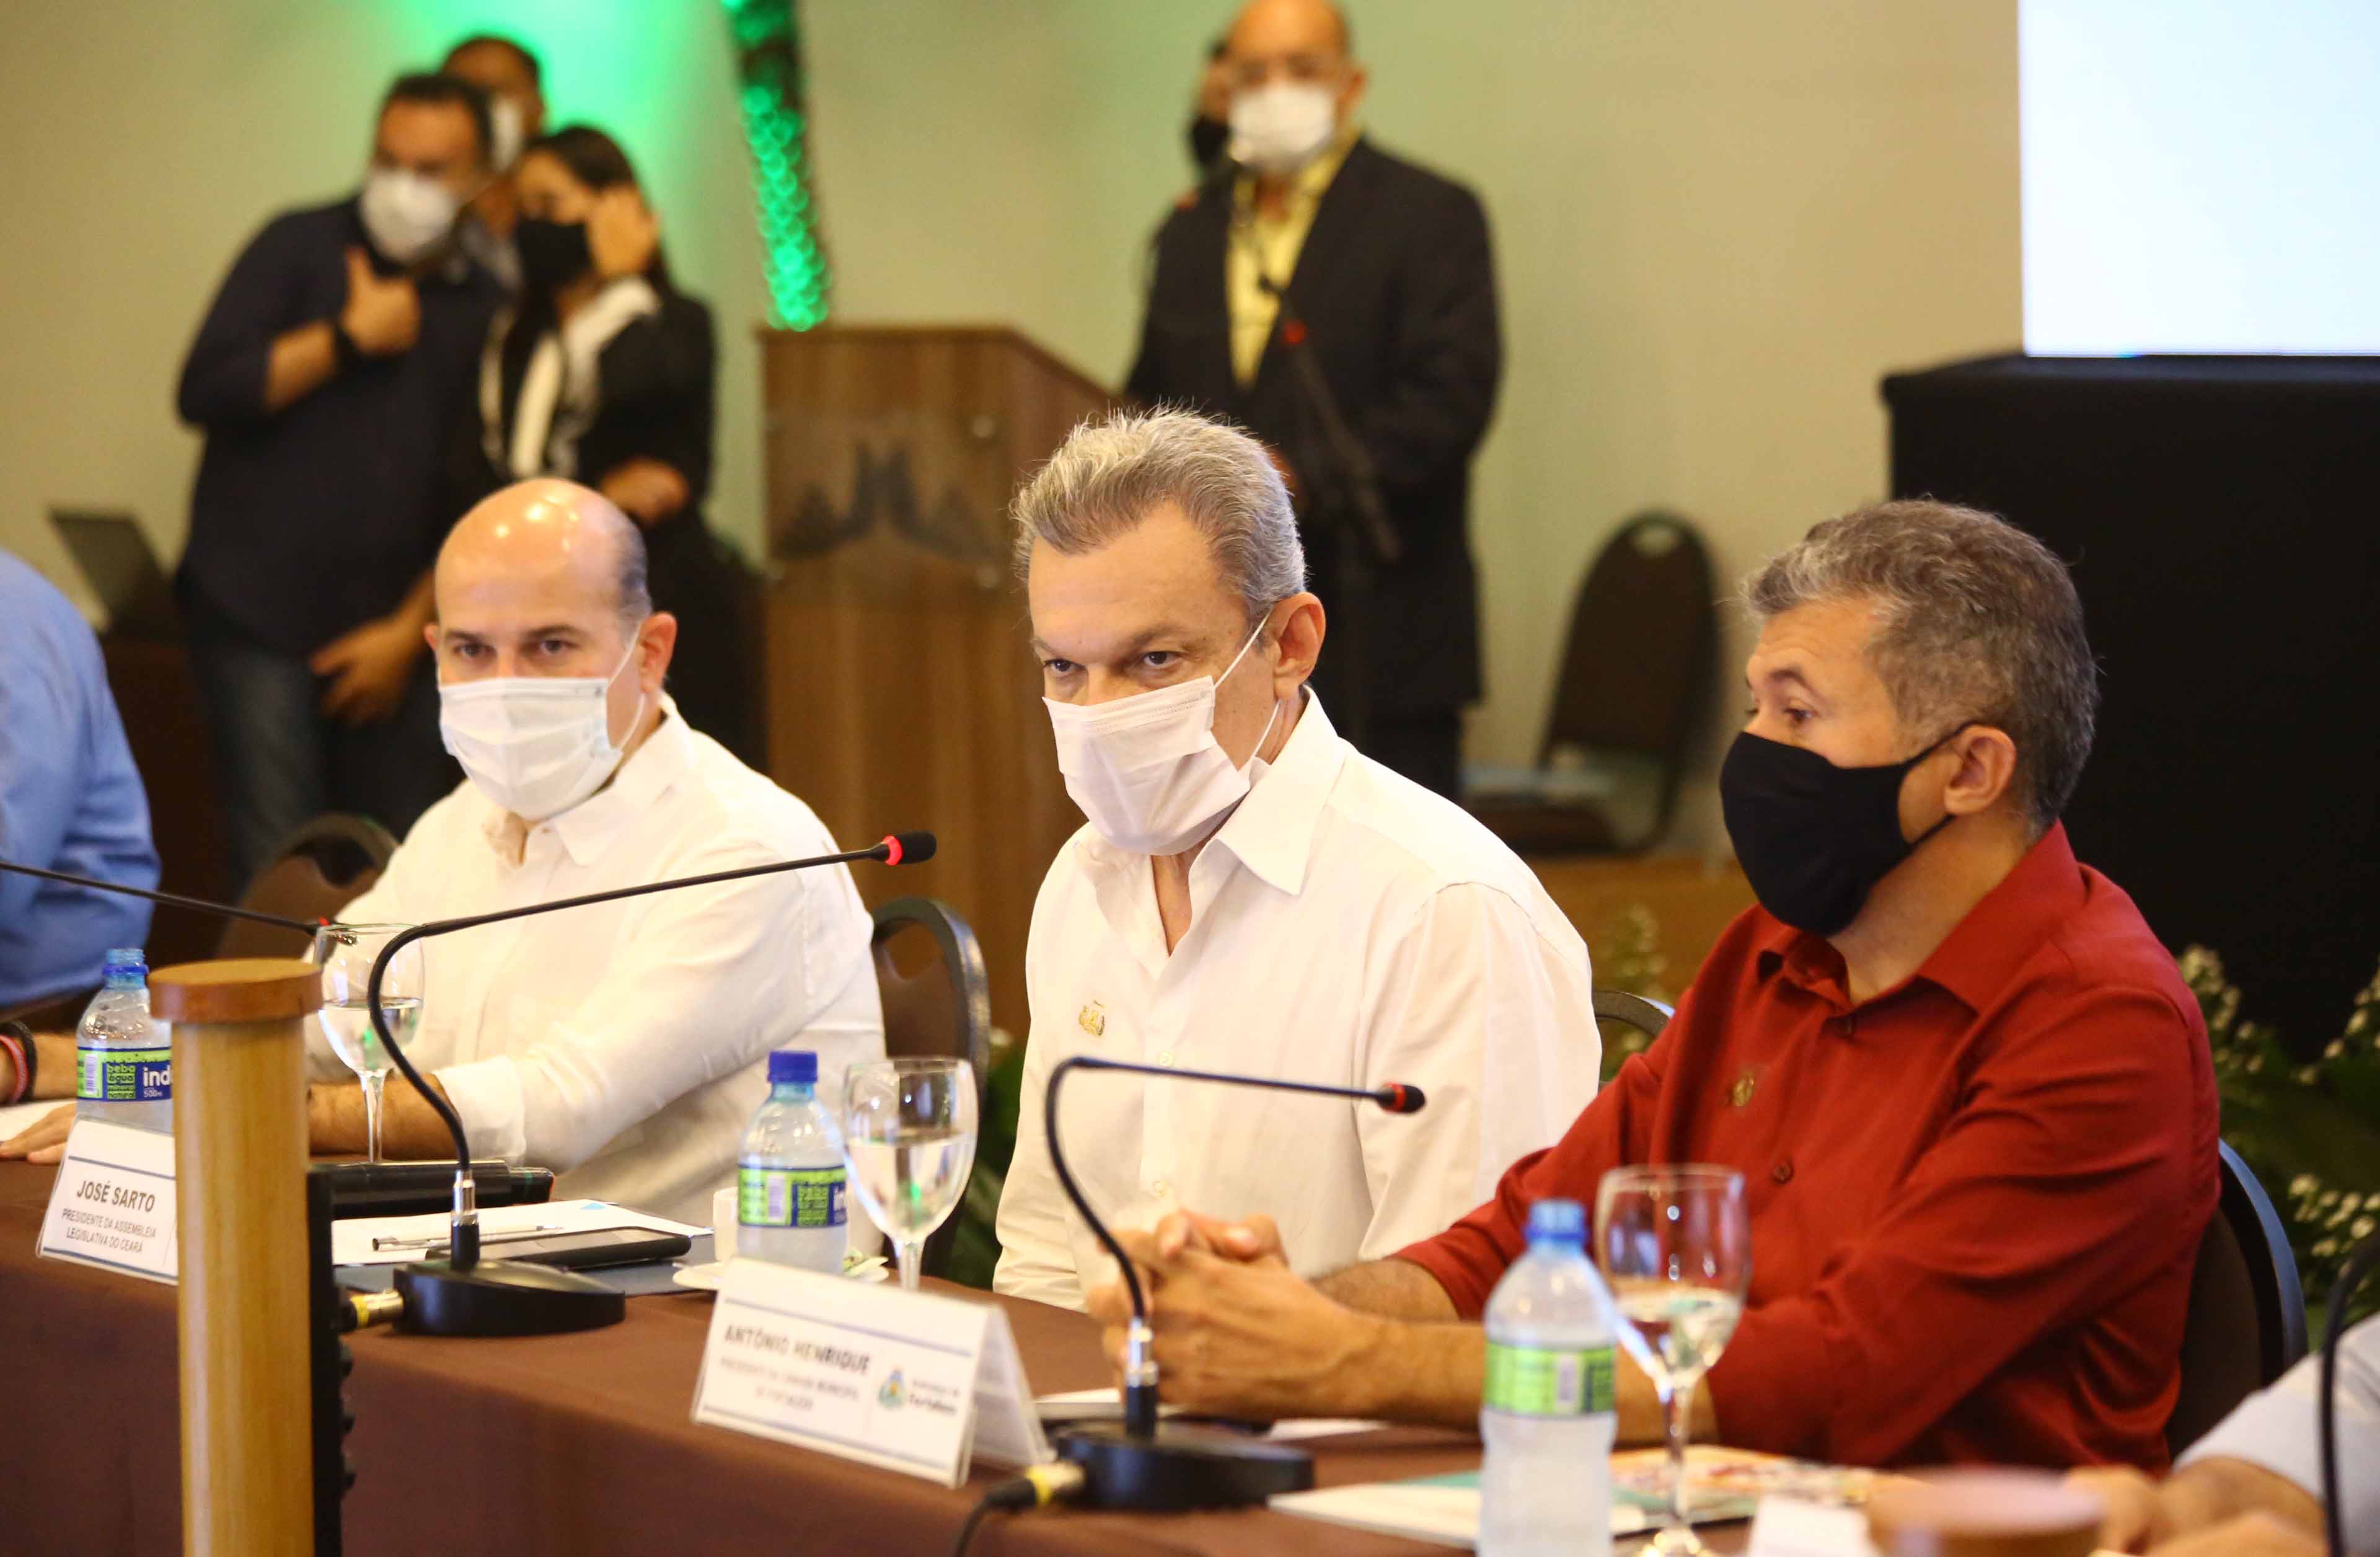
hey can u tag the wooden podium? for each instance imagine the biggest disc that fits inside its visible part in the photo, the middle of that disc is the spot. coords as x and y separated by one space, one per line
902 690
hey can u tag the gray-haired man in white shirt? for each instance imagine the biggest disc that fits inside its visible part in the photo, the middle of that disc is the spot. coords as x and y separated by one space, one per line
1252 895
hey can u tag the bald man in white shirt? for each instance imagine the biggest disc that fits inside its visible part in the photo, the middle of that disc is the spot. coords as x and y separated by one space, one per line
625 1044
1253 894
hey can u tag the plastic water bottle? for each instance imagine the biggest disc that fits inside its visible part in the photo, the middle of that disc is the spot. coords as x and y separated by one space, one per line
789 1176
1546 1412
124 1066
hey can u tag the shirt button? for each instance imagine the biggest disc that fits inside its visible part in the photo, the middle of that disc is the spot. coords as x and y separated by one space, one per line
1782 1173
1166 1058
1161 1189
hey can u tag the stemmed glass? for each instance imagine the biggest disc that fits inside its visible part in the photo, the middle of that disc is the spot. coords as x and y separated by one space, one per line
908 1140
1675 1246
345 954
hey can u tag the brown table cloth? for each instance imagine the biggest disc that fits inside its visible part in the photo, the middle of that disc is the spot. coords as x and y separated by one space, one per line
567 1444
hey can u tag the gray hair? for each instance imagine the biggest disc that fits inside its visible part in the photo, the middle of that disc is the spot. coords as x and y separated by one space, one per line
1975 621
1114 471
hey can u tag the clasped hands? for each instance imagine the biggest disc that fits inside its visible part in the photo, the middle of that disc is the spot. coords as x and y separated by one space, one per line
1237 1331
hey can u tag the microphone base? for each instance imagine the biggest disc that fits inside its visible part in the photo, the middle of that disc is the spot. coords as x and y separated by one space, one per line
502 1298
1181 1468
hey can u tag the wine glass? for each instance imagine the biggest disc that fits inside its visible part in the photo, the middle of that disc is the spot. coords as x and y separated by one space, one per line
1675 1246
908 1139
345 954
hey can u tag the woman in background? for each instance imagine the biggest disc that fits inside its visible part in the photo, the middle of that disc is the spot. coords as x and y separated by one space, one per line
602 372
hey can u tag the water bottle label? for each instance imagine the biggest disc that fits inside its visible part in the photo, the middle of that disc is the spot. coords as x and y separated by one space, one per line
1548 1381
788 1197
124 1075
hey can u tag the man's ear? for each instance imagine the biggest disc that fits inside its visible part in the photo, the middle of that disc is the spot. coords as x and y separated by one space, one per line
1986 771
656 642
1300 626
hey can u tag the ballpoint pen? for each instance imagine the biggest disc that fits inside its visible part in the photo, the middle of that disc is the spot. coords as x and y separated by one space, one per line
438 1238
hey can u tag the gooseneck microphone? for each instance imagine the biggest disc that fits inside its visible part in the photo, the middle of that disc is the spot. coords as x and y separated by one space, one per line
1147 1467
455 1295
172 900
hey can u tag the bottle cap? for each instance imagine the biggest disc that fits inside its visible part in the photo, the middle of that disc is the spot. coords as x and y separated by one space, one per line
124 960
798 1066
1558 1222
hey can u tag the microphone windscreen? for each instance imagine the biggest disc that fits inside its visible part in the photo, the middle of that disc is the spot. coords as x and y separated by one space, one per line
915 847
1399 1097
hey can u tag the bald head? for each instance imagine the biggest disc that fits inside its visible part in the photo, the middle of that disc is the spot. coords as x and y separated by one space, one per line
1266 29
560 543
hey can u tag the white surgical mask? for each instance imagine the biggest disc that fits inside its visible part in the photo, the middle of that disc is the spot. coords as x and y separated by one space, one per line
1280 126
507 132
407 213
1147 770
535 745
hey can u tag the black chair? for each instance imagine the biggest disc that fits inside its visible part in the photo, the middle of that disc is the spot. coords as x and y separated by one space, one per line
2247 1323
1647 1017
1634 681
319 869
942 1010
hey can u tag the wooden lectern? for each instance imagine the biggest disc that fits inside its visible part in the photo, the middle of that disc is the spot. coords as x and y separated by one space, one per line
902 690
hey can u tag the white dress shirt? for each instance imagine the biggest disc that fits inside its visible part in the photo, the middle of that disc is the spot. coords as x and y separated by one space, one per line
626 1045
1347 926
2280 1430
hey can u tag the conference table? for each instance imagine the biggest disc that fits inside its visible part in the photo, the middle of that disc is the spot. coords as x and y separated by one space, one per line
567 1444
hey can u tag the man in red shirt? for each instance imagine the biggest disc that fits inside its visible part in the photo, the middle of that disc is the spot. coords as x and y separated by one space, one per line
1969 1094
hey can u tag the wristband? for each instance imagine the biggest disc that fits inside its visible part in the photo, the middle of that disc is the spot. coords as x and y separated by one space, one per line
343 345
17 1040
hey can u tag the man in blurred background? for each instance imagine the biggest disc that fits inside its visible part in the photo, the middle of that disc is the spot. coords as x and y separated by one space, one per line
515 82
1327 247
329 377
70 798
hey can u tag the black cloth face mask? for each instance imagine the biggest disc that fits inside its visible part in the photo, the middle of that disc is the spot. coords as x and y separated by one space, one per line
551 253
1206 141
1814 838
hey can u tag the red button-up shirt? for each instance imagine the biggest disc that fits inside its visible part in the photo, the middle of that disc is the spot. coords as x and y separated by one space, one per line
1975 1199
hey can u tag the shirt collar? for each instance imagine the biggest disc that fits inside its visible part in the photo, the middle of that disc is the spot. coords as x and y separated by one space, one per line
1983 951
586 828
1271 830
1313 180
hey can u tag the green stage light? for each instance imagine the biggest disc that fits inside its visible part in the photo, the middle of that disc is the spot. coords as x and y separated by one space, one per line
769 55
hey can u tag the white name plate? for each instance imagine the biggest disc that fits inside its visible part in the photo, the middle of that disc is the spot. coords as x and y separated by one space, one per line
113 1204
905 1380
1783 1527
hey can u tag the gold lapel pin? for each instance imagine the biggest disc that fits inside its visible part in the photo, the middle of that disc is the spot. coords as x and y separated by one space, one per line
1093 1019
1739 1094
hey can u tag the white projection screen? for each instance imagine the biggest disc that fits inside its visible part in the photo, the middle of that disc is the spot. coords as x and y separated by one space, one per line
2201 176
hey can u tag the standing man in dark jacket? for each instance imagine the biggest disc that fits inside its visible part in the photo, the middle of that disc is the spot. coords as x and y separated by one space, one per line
1314 243
328 378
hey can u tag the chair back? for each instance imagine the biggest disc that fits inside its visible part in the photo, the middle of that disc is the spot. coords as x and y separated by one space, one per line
1636 668
2247 1324
1647 1017
321 867
943 1011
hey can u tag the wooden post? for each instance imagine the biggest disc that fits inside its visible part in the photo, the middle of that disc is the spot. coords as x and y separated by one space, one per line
239 1164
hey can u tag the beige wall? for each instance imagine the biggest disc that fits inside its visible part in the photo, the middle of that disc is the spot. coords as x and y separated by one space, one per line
1718 223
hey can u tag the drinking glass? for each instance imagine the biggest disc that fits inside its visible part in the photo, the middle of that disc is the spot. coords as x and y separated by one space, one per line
1675 1246
908 1140
345 954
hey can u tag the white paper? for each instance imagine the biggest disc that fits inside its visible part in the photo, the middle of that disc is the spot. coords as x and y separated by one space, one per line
1418 1511
905 1381
113 1204
352 1240
17 1118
